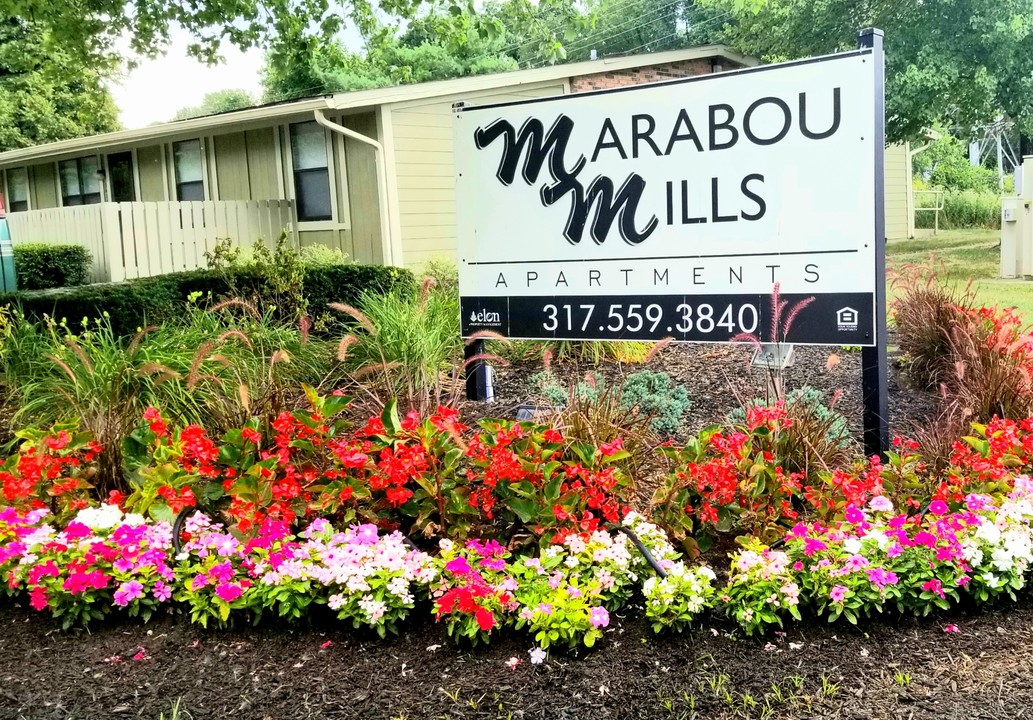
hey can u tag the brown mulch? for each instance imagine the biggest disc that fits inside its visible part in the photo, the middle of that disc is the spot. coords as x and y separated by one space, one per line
719 379
890 669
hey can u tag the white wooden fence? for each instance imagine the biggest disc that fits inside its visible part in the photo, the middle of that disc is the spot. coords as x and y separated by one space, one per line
141 239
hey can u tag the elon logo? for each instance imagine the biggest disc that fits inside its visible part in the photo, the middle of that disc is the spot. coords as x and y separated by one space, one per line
485 317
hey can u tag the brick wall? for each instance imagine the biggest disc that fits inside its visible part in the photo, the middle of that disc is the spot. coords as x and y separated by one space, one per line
639 75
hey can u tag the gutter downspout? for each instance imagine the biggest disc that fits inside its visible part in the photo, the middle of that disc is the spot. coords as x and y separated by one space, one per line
382 198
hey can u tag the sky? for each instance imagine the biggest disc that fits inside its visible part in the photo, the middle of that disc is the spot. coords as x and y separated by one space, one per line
156 89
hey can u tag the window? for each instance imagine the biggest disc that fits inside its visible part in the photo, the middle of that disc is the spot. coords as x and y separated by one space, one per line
18 189
80 181
311 171
120 174
186 157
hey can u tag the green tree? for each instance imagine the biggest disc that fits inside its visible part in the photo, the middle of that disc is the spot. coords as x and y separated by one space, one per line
959 61
45 94
217 102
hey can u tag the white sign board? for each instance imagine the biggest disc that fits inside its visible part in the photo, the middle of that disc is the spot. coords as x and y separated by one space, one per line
673 209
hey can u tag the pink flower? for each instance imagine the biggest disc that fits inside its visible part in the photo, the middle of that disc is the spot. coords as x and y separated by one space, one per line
127 592
611 448
599 617
327 644
141 654
545 608
938 507
162 592
880 503
38 598
952 628
513 662
838 594
229 592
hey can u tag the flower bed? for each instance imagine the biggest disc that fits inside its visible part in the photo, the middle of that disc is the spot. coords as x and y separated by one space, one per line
519 525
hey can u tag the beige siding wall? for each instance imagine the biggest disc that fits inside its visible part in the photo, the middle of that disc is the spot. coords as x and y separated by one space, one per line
152 175
360 175
43 186
231 162
899 223
425 170
262 167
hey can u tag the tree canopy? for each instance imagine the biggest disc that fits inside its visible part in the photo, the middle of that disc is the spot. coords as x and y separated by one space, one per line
217 102
962 62
455 41
45 94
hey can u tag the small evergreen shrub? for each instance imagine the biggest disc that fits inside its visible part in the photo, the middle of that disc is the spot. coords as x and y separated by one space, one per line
42 266
655 394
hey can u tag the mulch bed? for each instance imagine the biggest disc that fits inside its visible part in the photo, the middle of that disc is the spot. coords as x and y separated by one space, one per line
887 670
719 379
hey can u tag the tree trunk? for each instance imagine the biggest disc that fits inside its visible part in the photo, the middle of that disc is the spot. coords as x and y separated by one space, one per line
1025 144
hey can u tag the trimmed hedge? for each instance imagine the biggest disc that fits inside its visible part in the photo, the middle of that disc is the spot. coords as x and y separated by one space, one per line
149 301
41 266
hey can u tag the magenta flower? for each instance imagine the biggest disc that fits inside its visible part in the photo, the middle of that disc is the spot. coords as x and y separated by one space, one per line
813 545
934 586
853 515
127 592
459 566
223 572
599 617
838 594
938 507
229 592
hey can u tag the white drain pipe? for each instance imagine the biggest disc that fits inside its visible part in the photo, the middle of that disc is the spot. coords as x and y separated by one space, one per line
382 198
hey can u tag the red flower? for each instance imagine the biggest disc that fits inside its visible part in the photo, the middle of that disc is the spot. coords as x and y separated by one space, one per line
553 436
485 619
59 441
251 435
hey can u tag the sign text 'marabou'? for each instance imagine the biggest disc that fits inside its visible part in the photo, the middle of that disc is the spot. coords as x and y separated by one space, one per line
671 210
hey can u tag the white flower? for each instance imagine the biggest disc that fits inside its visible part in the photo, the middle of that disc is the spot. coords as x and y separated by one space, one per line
537 656
134 520
852 545
104 517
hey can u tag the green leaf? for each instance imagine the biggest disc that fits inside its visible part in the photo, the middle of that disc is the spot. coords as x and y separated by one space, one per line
392 423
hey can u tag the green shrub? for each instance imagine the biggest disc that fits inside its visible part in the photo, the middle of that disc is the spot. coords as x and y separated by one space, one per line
150 301
41 266
654 394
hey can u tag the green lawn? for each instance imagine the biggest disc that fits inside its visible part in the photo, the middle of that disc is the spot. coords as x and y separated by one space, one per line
967 255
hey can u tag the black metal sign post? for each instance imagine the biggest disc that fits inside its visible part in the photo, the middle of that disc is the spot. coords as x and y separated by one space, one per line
874 365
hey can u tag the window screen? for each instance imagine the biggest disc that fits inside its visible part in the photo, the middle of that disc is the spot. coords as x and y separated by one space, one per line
80 181
311 171
18 189
186 156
